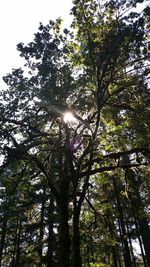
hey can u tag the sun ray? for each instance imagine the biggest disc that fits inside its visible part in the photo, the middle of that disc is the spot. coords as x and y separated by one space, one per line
69 118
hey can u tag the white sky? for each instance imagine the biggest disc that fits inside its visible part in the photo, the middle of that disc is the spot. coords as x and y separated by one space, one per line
19 20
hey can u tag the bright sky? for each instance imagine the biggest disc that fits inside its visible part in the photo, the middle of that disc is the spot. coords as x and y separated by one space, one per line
19 20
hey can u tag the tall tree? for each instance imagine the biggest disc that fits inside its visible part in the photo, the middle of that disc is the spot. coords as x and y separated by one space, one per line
77 114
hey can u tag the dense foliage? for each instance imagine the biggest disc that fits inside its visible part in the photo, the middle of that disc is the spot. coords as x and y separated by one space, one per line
74 190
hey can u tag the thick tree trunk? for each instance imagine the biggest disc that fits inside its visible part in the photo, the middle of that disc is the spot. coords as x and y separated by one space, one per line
64 236
77 261
114 256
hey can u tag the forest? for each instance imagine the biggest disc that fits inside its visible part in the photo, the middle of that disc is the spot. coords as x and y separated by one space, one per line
75 142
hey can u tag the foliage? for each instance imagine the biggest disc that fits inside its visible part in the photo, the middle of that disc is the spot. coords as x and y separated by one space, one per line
75 193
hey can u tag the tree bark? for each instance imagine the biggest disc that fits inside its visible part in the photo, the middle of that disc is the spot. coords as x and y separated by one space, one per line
113 249
131 247
77 261
139 238
17 258
140 213
4 228
126 252
40 249
114 257
3 235
144 231
50 236
64 236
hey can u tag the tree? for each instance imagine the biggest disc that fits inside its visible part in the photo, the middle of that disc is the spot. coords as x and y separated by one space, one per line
97 73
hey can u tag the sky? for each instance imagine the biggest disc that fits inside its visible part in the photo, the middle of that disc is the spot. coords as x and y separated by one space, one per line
19 20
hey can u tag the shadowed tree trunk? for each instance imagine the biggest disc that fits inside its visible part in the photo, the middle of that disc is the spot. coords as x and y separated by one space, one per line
3 235
114 252
17 257
40 250
140 213
139 238
114 256
50 234
64 236
144 231
4 229
77 261
126 251
131 247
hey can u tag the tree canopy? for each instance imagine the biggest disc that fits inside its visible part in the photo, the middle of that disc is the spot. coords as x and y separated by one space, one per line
74 142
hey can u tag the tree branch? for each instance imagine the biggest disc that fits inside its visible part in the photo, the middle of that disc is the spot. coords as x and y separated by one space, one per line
110 168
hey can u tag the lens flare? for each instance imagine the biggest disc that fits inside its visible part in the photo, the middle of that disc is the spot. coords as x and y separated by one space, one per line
68 117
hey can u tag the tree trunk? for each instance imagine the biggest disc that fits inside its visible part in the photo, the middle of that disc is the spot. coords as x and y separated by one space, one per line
77 261
17 258
144 230
3 235
40 249
50 236
131 247
6 208
64 236
111 230
114 257
126 252
141 216
139 238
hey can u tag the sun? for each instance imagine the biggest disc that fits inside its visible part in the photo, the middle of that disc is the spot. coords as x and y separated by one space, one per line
68 117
